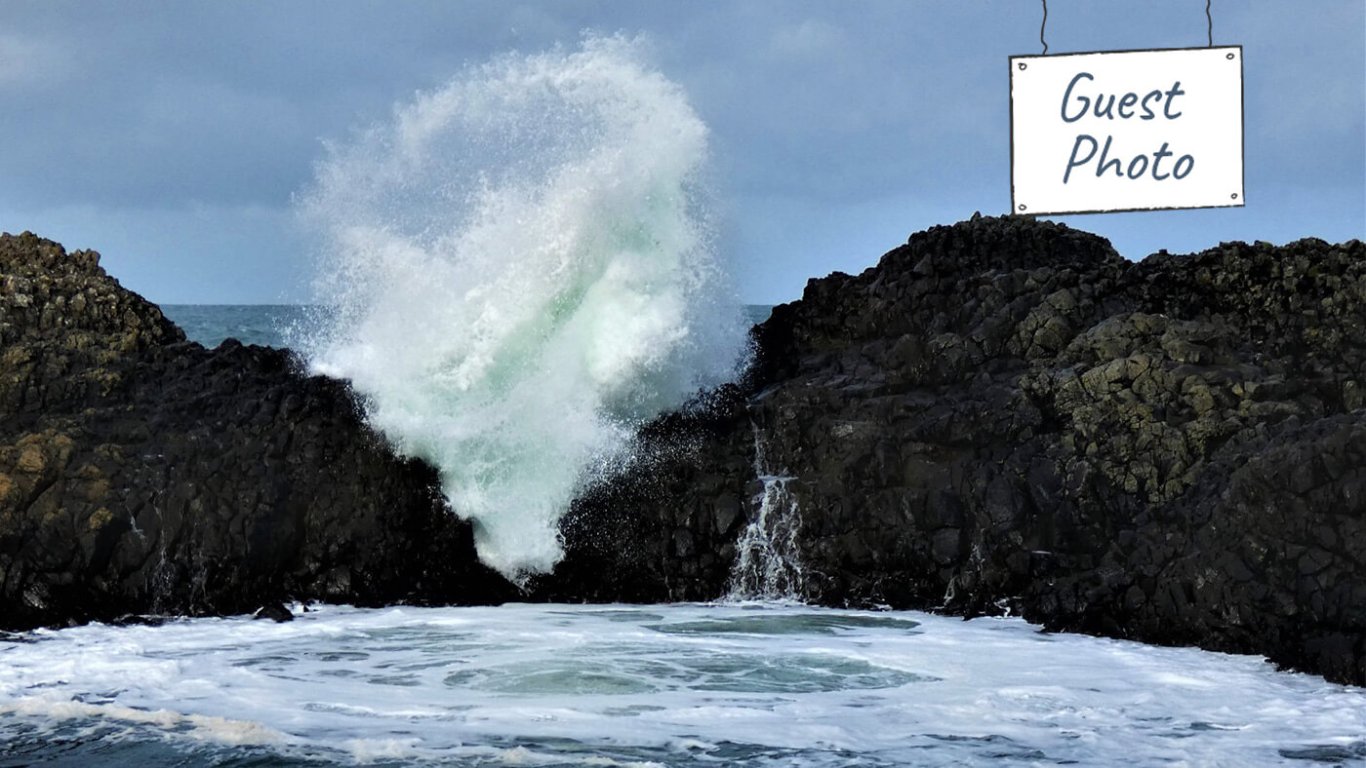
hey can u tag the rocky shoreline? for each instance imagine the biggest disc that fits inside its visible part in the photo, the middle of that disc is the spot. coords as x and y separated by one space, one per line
1003 415
142 473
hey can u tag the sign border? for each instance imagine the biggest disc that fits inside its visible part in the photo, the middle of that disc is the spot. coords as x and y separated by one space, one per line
1242 131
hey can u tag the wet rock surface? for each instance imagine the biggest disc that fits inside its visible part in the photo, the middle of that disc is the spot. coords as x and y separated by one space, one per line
140 473
1004 414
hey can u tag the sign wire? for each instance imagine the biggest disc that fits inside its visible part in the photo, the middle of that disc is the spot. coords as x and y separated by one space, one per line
1043 24
1209 26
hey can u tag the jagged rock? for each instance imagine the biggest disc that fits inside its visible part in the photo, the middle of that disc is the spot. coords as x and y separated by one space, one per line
276 612
140 473
1005 413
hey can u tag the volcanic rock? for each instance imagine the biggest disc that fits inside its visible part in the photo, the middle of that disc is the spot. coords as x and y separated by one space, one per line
1005 415
140 473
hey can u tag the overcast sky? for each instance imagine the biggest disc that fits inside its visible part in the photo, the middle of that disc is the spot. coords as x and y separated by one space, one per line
171 136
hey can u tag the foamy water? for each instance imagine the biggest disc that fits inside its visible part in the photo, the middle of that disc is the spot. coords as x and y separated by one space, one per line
679 685
522 271
768 563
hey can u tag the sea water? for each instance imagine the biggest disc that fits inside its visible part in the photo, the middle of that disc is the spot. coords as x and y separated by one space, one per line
282 325
676 685
267 325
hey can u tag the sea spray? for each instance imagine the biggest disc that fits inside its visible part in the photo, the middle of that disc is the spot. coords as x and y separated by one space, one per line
521 272
768 562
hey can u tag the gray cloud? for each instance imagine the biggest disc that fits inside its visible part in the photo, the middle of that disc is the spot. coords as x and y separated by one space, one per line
172 135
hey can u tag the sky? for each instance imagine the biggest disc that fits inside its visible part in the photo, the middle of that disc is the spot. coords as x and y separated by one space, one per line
173 136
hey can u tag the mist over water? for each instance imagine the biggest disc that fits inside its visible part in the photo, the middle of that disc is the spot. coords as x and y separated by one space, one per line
522 267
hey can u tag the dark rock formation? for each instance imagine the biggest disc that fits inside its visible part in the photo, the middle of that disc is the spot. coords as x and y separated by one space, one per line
275 612
1002 415
1005 414
140 473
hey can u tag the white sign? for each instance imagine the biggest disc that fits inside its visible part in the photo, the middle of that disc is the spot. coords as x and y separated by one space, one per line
1126 130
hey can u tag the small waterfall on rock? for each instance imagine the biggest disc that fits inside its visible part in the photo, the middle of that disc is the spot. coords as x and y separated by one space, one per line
767 560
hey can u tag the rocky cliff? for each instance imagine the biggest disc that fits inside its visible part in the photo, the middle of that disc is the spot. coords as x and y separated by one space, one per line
142 473
1004 414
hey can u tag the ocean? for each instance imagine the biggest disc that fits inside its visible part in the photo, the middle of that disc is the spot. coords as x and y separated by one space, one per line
739 683
280 325
662 685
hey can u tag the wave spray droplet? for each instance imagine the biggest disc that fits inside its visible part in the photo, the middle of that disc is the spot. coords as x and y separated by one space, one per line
521 275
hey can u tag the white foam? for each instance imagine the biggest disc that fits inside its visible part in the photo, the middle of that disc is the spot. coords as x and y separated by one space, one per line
674 685
768 564
219 730
522 271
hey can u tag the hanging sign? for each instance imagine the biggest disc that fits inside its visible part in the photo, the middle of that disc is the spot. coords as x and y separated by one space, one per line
1126 130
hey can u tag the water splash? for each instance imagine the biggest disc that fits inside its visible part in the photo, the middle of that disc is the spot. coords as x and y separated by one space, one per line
768 562
522 274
